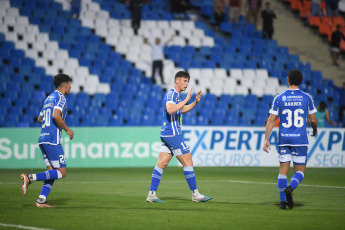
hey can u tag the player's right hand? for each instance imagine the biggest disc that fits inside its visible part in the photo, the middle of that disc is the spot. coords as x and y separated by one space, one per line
189 95
70 133
267 146
314 133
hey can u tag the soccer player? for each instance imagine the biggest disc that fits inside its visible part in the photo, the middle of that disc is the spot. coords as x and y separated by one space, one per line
52 118
172 140
294 108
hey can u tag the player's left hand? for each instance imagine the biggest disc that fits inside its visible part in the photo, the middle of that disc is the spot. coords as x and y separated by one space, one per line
267 146
198 97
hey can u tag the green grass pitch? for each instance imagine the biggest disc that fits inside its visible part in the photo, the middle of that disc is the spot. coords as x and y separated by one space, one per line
114 198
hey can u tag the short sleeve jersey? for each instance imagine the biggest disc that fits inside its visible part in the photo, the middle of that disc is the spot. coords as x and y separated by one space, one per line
171 123
292 108
51 133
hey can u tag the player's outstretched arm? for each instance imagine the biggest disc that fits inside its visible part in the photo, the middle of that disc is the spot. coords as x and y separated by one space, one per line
59 121
172 108
191 106
313 123
269 127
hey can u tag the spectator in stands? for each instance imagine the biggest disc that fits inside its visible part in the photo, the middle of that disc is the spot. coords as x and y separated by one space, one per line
219 12
75 8
267 21
335 44
321 114
180 7
234 10
253 11
157 57
341 91
315 8
135 8
332 8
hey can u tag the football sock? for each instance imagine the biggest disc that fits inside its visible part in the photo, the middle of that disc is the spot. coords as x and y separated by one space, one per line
46 188
156 178
52 174
282 184
190 177
296 179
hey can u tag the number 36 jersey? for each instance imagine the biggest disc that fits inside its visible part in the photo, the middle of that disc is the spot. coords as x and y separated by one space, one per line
292 108
51 133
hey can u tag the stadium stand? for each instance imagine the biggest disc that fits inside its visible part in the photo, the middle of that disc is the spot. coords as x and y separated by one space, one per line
324 25
110 65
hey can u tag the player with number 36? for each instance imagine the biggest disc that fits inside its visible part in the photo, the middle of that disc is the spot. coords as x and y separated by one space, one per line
294 108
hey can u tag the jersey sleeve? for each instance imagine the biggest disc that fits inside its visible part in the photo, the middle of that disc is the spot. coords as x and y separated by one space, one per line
274 108
171 97
311 106
60 103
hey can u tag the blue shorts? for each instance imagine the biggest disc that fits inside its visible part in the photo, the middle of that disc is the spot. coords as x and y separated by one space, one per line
53 155
174 145
298 154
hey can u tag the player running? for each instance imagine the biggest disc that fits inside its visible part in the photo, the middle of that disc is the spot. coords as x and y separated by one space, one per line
52 118
294 108
172 140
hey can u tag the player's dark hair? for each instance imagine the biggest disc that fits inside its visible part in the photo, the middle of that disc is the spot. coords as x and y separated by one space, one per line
182 74
61 78
295 77
322 106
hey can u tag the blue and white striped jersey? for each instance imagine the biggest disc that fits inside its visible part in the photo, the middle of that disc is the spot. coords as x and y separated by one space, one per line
292 108
171 125
51 133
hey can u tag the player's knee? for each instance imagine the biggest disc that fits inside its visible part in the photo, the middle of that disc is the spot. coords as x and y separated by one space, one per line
162 165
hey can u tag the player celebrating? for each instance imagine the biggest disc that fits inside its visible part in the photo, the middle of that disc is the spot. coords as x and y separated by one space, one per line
294 108
172 141
52 118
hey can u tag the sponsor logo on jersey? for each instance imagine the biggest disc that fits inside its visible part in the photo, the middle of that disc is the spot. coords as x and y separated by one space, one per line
48 105
296 103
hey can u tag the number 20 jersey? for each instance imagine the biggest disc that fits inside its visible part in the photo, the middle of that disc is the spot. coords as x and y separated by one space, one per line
51 133
292 108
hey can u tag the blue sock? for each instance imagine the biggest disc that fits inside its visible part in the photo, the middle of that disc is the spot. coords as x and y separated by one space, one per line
156 178
52 174
282 184
47 186
296 179
190 177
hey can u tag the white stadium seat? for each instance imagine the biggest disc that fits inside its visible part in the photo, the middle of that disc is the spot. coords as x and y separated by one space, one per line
258 91
52 45
207 41
176 24
83 71
198 33
220 73
13 12
21 20
188 25
32 29
194 41
249 74
73 62
103 88
163 24
88 22
262 73
236 73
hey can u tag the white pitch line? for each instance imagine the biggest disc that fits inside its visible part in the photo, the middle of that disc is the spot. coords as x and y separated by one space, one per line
22 226
183 181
